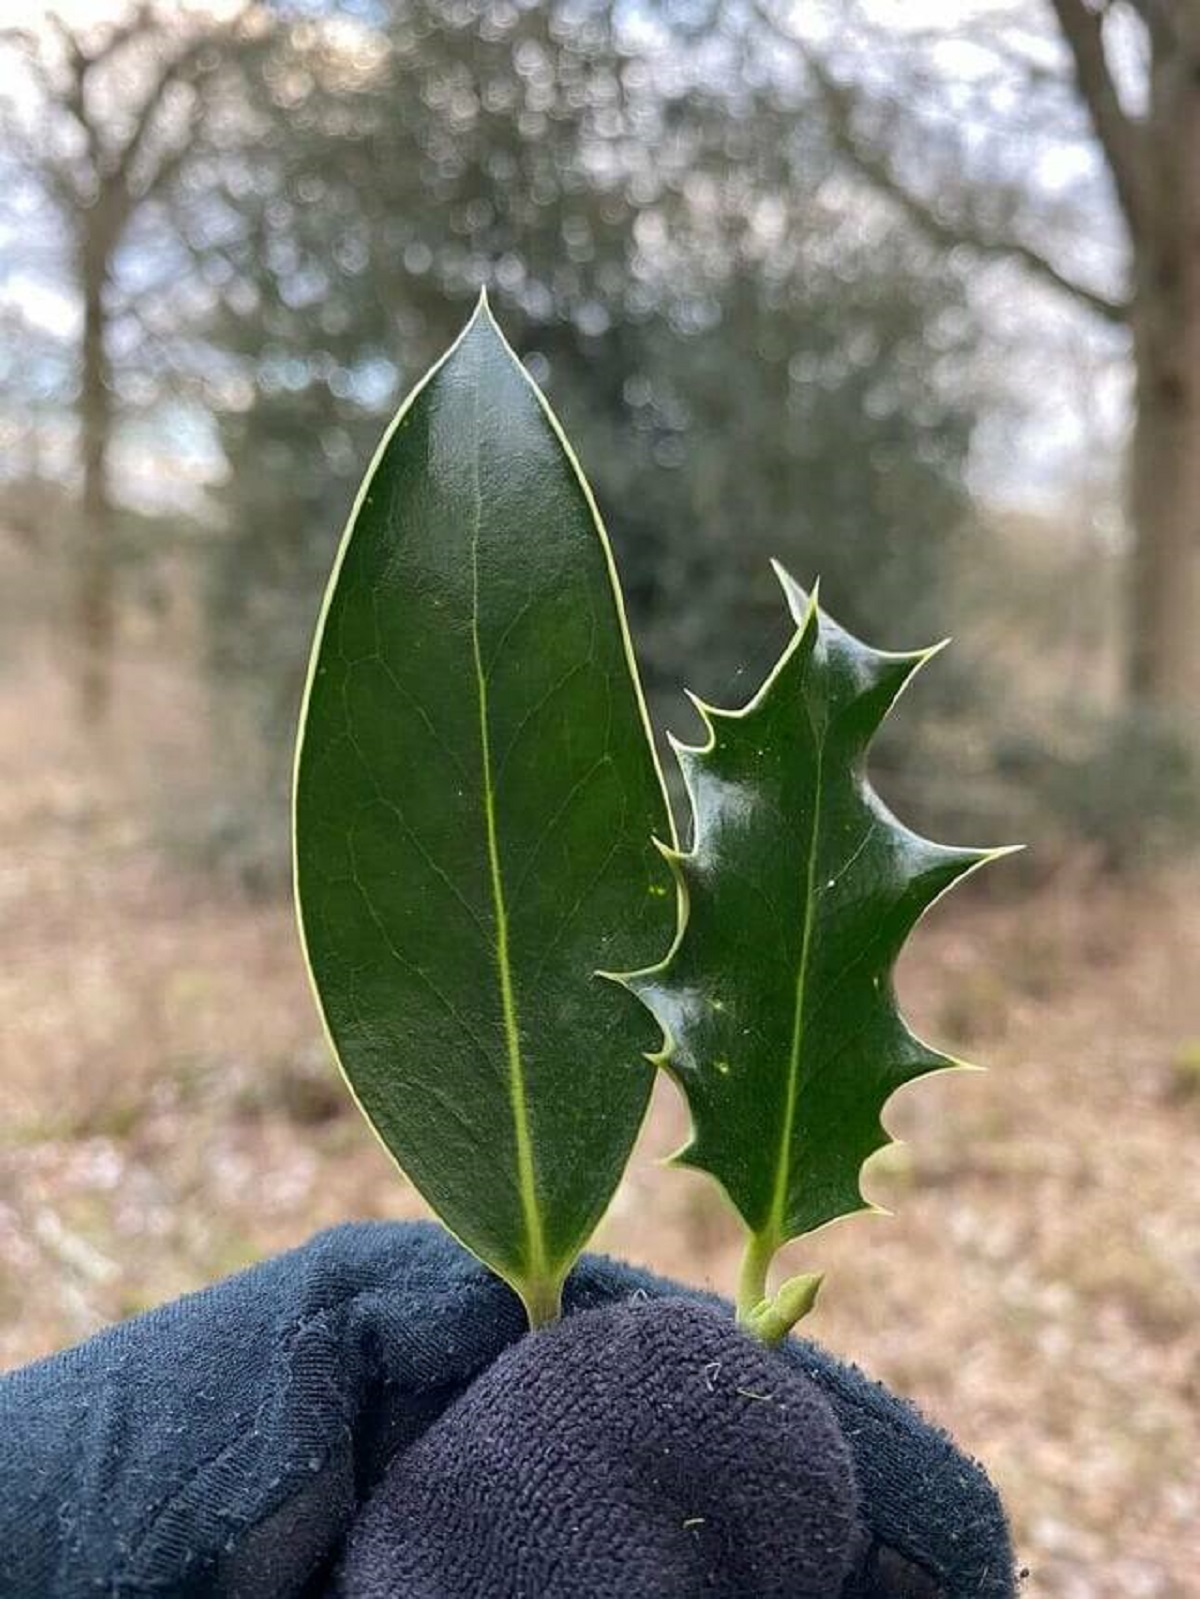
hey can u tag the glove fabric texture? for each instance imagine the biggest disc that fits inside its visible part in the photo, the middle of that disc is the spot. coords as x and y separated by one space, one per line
647 1448
362 1416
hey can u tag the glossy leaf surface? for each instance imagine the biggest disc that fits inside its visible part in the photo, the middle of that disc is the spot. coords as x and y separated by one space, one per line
476 796
776 1003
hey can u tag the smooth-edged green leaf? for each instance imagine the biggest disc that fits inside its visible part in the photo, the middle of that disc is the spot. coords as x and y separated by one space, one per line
476 793
776 1002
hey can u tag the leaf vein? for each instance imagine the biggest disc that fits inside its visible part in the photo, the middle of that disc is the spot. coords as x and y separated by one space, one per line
526 1175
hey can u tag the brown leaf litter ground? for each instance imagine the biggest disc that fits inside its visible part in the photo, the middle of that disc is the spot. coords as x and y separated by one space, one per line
167 1114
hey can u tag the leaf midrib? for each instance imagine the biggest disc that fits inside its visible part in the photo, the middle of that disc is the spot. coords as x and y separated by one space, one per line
774 1229
526 1176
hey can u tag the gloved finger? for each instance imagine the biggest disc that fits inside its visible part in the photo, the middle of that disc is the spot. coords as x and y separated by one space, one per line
936 1524
644 1449
216 1448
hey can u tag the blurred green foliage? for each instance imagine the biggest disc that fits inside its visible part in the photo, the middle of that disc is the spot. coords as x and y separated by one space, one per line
748 360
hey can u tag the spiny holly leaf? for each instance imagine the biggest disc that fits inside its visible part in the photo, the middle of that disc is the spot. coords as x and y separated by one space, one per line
476 792
776 1002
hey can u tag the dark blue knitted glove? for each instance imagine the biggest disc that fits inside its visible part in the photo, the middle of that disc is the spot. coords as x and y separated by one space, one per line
646 1448
227 1443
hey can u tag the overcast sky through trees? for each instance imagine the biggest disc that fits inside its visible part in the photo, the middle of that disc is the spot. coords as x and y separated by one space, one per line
1058 376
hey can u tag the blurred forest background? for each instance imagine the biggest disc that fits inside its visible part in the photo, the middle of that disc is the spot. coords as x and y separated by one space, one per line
907 296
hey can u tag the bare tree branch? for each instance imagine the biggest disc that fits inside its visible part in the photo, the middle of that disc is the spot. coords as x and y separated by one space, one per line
184 66
72 96
111 168
868 159
170 162
177 70
1119 135
1171 24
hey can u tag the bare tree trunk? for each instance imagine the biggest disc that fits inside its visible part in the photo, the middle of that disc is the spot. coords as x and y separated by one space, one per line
95 597
99 176
1164 654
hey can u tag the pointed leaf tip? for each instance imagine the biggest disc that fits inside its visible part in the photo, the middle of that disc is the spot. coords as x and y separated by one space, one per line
802 603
